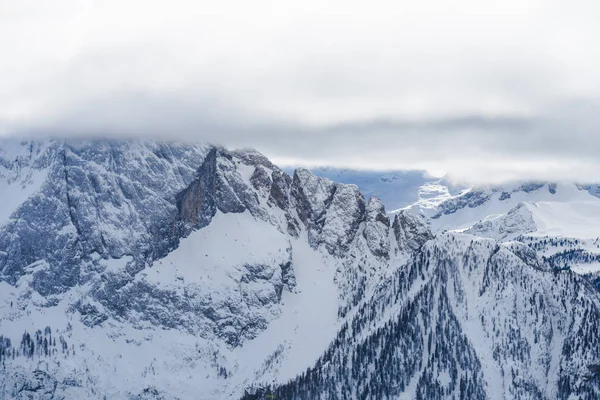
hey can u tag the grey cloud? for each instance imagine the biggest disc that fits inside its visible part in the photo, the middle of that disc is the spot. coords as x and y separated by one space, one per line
565 135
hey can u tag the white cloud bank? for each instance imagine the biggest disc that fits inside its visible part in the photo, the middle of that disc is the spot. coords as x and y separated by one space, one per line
486 90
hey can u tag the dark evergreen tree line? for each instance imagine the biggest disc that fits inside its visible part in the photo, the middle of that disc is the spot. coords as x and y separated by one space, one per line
37 345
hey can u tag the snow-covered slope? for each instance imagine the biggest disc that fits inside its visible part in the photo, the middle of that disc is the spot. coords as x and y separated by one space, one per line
571 219
574 219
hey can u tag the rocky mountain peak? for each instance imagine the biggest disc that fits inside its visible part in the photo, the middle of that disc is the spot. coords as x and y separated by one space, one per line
332 212
376 211
410 231
254 158
218 186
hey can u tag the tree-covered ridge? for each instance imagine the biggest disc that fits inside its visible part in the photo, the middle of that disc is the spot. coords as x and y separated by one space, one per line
465 319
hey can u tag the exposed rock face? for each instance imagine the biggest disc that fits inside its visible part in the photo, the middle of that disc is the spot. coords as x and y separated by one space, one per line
376 228
260 179
280 188
376 211
219 186
471 199
594 190
410 231
196 205
343 217
332 212
311 197
533 186
87 192
240 314
253 158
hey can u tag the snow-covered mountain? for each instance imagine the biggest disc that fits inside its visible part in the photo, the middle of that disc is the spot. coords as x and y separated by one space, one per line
574 219
486 202
561 221
516 222
135 254
148 270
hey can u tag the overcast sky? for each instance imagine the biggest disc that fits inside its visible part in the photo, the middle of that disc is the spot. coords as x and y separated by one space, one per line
485 90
